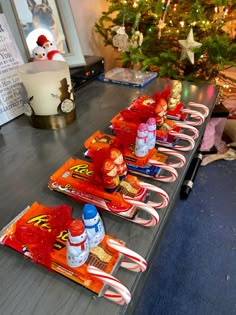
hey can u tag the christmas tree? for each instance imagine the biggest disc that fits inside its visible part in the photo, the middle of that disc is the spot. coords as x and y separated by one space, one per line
187 39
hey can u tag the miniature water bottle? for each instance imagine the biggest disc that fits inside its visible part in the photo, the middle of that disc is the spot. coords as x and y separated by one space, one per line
141 142
151 126
93 225
118 159
77 244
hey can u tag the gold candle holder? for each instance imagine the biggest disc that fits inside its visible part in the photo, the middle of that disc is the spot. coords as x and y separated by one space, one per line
50 100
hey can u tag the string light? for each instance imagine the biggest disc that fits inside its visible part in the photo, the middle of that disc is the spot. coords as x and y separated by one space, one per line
135 4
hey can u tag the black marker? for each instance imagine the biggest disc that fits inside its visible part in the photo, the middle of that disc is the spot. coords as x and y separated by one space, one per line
187 186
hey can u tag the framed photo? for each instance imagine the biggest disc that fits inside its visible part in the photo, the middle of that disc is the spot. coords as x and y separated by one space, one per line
53 18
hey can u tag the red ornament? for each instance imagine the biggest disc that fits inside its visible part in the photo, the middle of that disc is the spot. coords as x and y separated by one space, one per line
118 159
110 177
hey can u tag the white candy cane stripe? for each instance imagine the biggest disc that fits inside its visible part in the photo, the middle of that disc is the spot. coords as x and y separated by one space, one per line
144 207
160 192
170 169
121 295
188 127
174 153
137 264
204 108
199 118
54 185
187 138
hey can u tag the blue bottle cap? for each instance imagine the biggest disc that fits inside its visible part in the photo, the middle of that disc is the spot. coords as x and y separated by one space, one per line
89 212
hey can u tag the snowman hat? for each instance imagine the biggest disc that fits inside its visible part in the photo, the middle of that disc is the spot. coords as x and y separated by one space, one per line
89 212
142 127
42 39
76 228
151 121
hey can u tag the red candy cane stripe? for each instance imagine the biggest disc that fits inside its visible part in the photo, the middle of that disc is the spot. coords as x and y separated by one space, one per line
174 153
204 108
170 169
121 295
199 118
138 263
147 208
188 127
112 296
160 192
187 138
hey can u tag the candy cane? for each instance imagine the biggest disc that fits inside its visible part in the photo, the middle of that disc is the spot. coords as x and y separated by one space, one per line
170 169
121 295
160 192
174 153
54 185
137 263
144 207
194 114
188 127
203 107
63 189
182 137
154 220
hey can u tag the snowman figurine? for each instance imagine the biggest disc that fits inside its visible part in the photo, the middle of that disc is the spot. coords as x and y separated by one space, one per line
93 225
151 126
50 48
77 244
141 142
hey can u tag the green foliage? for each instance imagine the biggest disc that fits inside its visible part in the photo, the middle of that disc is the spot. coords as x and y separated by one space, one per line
160 50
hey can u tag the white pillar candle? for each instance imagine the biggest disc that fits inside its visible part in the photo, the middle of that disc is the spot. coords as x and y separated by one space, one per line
47 84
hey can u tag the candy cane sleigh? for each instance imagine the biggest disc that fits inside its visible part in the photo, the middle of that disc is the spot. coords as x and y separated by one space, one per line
148 166
76 178
167 137
188 115
180 113
193 113
144 106
28 232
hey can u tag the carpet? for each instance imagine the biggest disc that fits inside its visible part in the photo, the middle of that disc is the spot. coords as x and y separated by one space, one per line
194 269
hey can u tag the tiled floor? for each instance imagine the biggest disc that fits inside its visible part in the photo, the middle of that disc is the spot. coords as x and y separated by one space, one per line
194 271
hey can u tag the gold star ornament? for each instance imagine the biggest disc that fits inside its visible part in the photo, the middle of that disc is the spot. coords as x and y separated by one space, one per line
187 47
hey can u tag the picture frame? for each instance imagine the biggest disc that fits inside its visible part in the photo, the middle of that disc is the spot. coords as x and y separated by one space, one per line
20 19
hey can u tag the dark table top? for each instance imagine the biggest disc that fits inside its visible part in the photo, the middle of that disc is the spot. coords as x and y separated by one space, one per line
28 156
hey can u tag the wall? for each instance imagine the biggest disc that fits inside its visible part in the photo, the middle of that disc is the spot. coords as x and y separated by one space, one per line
86 13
